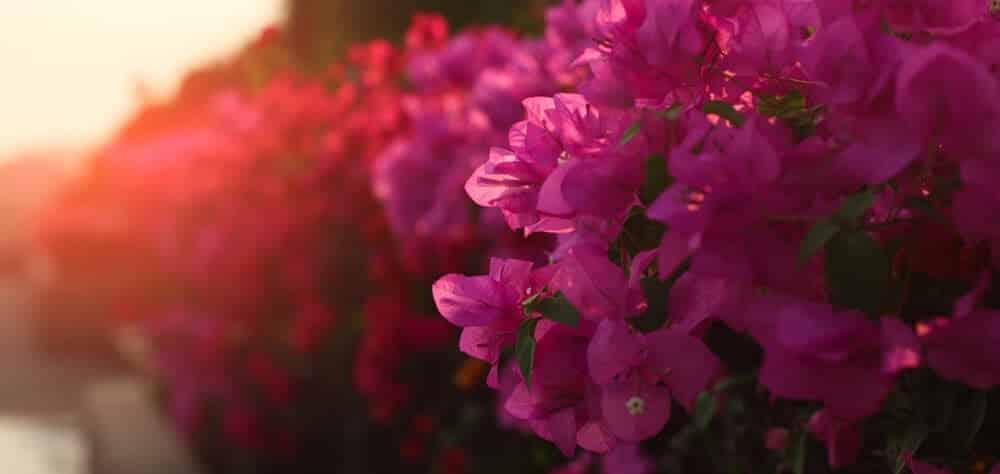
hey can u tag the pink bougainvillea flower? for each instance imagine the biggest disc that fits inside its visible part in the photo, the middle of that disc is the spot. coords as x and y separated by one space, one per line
963 348
627 458
816 353
651 50
901 347
763 39
594 285
487 307
978 197
605 186
555 403
541 183
510 183
640 375
934 16
715 170
480 300
960 116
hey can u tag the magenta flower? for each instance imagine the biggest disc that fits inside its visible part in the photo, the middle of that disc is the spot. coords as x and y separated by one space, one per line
715 169
960 348
510 183
839 358
962 116
855 66
978 197
498 92
963 348
561 159
627 458
763 39
488 307
556 403
640 374
597 287
934 16
852 60
652 48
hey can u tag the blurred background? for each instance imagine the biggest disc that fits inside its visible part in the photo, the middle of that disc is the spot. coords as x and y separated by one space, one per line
77 75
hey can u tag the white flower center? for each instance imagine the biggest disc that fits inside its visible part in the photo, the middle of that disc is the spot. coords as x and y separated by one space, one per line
635 406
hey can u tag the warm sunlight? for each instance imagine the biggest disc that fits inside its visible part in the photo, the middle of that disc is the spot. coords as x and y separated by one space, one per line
70 67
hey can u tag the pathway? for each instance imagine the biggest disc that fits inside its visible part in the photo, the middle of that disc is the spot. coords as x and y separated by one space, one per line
74 416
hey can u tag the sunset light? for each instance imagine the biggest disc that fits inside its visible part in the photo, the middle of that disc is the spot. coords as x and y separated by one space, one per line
507 237
71 68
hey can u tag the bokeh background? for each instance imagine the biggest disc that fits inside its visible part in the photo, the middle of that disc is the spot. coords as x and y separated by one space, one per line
76 75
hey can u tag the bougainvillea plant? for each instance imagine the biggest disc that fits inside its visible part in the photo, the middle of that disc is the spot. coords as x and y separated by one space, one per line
774 233
676 235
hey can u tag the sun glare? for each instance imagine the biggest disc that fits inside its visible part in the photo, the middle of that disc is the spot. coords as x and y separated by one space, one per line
69 69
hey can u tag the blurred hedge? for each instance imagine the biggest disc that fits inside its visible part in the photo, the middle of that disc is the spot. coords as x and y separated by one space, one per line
320 29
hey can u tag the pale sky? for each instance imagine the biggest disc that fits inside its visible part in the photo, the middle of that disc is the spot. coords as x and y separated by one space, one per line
69 68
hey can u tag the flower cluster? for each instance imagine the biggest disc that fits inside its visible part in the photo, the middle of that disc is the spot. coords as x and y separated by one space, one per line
816 175
677 235
240 237
285 247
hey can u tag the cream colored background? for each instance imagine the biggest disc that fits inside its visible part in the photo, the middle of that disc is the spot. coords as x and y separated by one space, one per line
69 68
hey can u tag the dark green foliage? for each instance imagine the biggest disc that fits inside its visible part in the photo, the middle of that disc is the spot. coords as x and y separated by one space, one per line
724 110
793 112
555 307
858 274
524 348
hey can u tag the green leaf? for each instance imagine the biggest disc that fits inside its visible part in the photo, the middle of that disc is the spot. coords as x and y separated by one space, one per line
855 206
793 102
638 234
858 273
938 404
737 406
724 110
524 348
633 130
799 452
909 443
655 314
657 178
531 300
672 113
793 112
631 133
781 106
704 410
819 235
555 307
